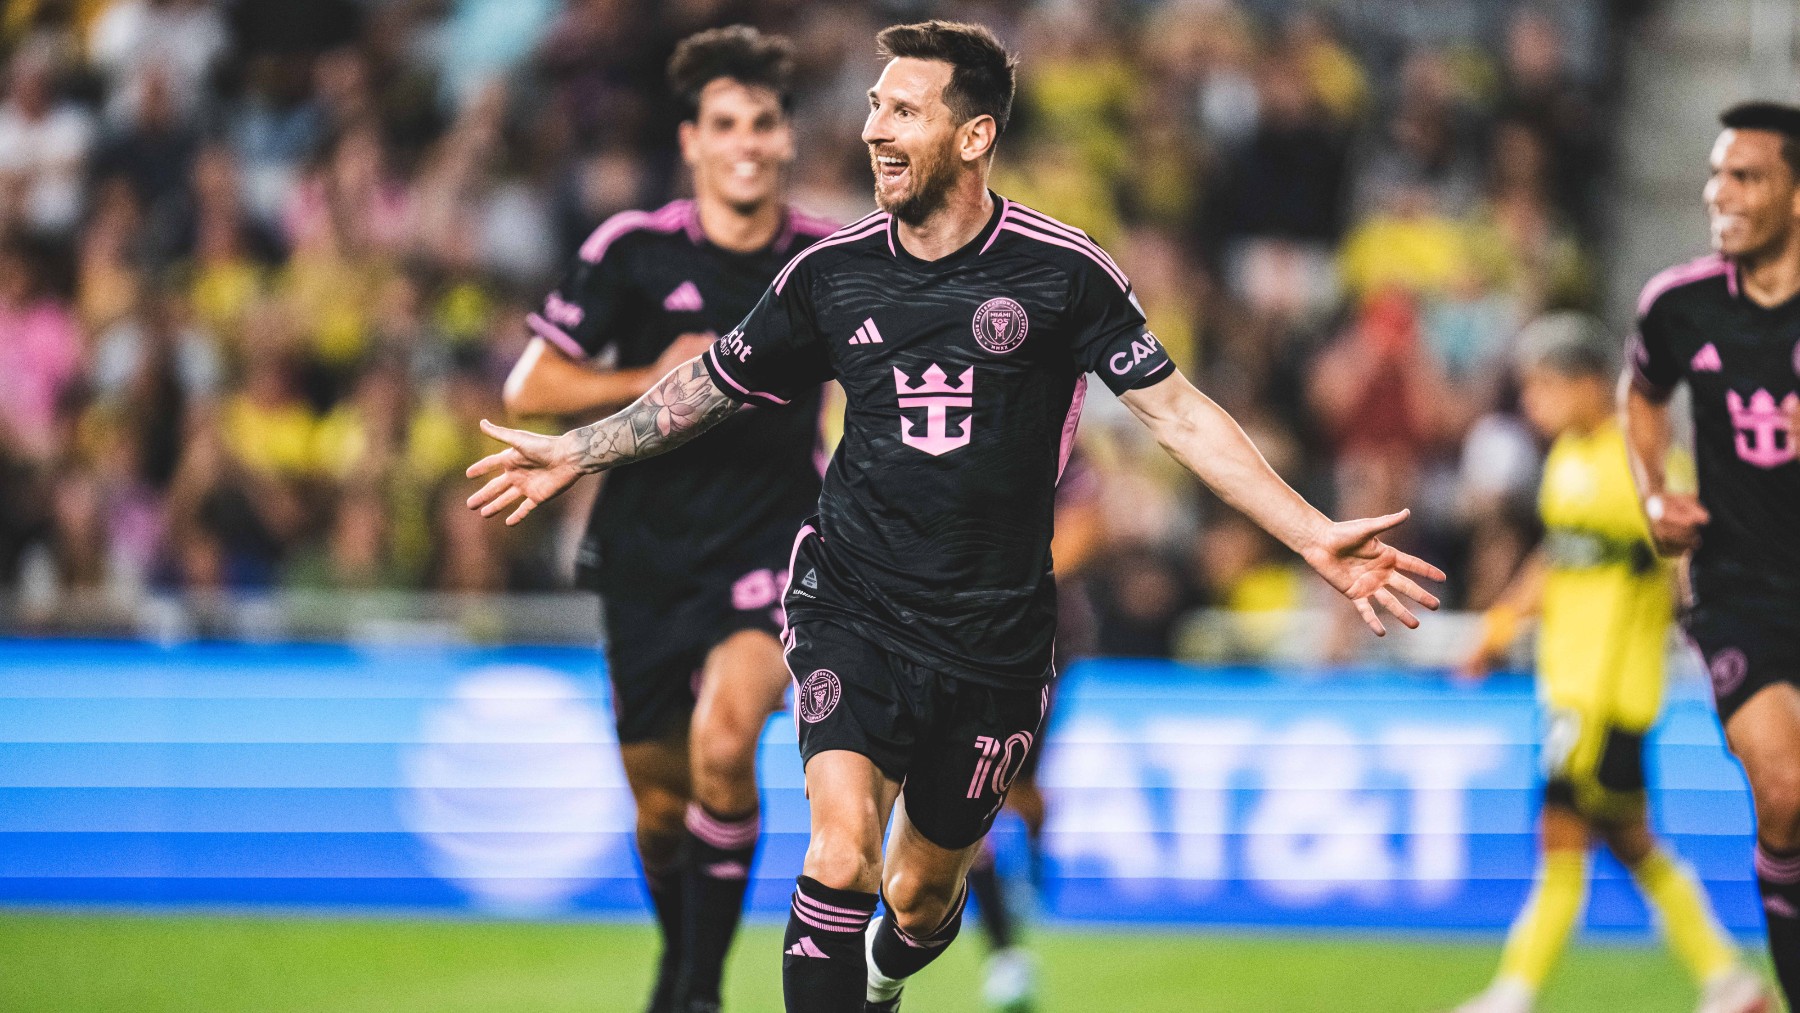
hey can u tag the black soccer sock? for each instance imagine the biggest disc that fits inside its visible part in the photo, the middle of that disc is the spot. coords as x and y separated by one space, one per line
1778 876
715 874
665 888
990 901
823 969
899 956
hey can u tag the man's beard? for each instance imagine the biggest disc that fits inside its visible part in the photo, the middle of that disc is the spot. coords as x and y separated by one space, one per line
931 185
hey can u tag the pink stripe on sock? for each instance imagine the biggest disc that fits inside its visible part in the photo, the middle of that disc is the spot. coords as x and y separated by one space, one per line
723 834
834 909
812 907
1783 869
821 924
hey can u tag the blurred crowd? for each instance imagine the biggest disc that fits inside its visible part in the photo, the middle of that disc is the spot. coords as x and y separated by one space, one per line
263 264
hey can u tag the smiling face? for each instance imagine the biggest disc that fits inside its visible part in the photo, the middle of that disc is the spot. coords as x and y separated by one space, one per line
738 145
1752 196
916 145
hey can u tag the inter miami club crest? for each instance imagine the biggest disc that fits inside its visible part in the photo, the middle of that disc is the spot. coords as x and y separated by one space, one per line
1001 325
818 696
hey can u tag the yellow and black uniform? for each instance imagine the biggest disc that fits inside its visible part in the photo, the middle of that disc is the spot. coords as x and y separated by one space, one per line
1607 606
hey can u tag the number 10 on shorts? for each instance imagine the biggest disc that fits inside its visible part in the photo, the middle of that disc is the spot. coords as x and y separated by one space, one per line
999 762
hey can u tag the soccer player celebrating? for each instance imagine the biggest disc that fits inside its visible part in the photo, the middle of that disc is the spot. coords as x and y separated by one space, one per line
920 603
1605 603
688 552
1729 325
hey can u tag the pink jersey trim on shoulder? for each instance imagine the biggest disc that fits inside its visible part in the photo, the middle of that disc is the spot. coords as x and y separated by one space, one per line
848 234
1043 237
1006 207
556 336
719 368
1710 266
1038 219
799 223
672 217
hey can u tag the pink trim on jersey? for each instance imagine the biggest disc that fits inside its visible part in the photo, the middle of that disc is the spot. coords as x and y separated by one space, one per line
848 234
788 643
670 217
1006 207
795 223
1710 266
691 222
1070 422
1038 219
741 389
556 336
1015 226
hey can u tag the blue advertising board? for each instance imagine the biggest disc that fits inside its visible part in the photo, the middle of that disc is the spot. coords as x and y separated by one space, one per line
487 780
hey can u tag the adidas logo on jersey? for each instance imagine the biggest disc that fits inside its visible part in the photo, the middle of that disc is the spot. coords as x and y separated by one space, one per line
806 948
866 334
1707 360
810 580
685 299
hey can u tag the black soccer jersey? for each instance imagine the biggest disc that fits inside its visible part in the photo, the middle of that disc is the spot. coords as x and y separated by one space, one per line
1742 362
641 280
963 378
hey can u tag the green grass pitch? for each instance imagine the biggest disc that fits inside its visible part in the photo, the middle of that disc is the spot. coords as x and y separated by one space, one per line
148 964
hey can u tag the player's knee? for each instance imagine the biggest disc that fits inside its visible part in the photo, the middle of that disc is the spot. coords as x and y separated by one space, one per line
660 815
724 751
844 860
919 905
1778 809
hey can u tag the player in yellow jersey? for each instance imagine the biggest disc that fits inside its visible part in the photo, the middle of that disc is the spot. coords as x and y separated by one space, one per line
1604 603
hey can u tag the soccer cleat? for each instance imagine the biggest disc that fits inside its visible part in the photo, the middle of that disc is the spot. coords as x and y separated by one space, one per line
1011 984
1738 990
1501 997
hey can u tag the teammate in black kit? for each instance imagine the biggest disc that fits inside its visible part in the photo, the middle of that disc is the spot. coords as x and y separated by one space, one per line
688 553
1729 325
921 608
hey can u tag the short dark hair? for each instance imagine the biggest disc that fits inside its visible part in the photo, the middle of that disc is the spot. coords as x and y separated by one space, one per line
738 52
1777 117
982 70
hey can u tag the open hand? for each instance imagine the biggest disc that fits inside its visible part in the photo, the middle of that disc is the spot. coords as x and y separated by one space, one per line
1351 556
533 468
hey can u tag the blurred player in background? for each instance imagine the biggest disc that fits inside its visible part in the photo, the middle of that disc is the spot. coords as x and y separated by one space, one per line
689 553
1729 325
1604 604
1011 972
922 605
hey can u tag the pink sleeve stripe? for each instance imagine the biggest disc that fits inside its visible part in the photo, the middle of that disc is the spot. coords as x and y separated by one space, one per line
838 238
740 388
1038 219
669 218
1006 207
1710 266
1015 226
556 336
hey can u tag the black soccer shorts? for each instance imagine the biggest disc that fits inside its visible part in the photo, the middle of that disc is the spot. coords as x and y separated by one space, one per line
656 648
1747 643
955 746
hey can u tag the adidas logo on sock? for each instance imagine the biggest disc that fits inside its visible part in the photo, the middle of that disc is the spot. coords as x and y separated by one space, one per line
866 334
806 948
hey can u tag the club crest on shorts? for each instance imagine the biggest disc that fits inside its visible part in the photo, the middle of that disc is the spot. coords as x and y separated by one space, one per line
1728 669
818 696
1001 325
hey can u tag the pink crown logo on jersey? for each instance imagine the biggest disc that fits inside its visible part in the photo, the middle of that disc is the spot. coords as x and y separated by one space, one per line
1707 360
1762 434
937 396
685 299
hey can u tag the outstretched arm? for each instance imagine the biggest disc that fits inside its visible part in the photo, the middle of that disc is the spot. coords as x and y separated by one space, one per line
534 468
1350 555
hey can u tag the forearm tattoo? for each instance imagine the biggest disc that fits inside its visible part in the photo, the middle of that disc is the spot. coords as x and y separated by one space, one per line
681 406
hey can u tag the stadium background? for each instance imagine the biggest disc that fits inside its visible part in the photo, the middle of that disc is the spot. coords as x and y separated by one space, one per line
262 265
